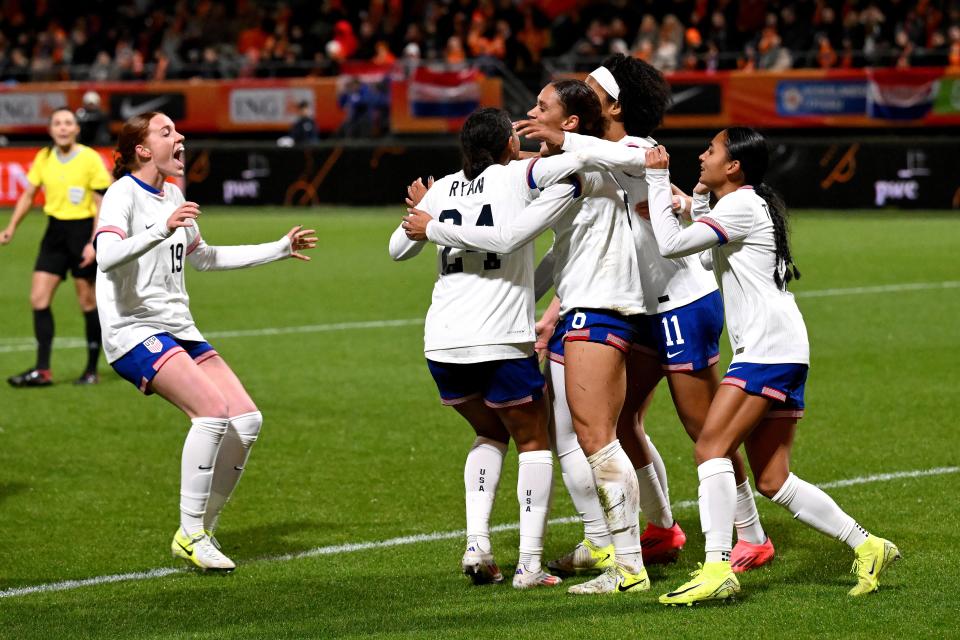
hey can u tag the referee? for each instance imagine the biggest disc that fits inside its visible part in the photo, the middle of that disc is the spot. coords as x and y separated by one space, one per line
73 178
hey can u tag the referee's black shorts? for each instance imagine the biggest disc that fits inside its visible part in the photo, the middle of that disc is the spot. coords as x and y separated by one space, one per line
61 249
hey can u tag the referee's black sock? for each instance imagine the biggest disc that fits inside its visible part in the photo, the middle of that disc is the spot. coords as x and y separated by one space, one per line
43 330
92 321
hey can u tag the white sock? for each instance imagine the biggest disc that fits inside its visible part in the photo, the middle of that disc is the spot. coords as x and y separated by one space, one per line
196 470
746 518
617 488
718 501
660 468
481 474
816 509
652 503
534 481
231 460
576 471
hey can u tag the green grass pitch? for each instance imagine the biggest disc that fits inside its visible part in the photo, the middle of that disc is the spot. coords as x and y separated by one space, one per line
356 448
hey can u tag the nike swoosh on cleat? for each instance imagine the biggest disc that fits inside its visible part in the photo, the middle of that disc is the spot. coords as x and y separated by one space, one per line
189 552
605 557
873 568
677 593
622 588
203 468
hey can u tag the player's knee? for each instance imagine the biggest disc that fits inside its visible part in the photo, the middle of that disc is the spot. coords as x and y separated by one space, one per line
215 408
39 300
247 426
768 484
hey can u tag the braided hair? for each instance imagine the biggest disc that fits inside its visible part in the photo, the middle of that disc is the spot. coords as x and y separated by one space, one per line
749 147
484 136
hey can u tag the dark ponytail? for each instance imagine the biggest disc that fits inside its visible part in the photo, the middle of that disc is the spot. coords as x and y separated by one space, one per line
749 148
483 139
133 133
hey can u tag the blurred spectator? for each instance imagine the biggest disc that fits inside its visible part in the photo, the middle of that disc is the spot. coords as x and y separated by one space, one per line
94 126
359 102
304 129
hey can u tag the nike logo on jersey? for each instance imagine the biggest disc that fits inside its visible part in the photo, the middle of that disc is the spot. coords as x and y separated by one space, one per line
674 355
150 226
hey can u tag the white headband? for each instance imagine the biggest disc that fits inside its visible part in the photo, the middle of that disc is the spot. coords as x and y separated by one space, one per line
605 79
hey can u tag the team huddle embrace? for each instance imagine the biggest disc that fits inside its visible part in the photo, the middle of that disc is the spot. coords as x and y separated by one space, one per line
645 276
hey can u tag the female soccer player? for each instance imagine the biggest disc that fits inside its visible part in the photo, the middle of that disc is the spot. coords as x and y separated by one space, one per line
761 396
598 283
479 332
72 177
146 232
679 333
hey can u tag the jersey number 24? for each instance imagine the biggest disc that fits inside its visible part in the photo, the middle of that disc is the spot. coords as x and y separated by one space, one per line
485 219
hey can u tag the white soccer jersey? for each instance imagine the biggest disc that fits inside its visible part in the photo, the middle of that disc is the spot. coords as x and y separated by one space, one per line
482 306
666 283
595 265
764 323
146 295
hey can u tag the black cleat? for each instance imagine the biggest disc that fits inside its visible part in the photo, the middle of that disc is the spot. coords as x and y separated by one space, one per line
31 378
88 377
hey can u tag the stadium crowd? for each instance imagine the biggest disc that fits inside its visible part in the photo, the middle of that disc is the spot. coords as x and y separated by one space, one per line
156 40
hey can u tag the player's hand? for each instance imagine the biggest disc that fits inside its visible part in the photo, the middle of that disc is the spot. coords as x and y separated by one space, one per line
681 203
89 255
183 216
536 130
6 236
643 209
301 240
415 224
417 190
701 189
657 158
544 329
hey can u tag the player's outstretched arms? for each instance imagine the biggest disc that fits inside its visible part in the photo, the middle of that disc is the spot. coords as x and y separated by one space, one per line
673 240
203 257
114 249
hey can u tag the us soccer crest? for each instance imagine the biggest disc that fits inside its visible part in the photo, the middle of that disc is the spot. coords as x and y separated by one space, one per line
153 345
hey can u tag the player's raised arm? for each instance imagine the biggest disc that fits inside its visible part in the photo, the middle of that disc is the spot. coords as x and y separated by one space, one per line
204 257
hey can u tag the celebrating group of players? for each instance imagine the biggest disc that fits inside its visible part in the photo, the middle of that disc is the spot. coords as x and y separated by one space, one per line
637 300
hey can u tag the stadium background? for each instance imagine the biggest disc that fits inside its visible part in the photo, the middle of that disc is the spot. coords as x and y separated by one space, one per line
346 524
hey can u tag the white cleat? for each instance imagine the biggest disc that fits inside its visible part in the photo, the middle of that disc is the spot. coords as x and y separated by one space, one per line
525 579
200 551
480 567
616 579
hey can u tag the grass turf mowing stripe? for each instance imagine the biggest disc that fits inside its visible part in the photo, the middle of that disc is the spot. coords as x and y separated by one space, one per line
68 585
14 345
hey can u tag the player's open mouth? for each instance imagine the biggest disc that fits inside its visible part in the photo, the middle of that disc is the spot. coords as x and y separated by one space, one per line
178 155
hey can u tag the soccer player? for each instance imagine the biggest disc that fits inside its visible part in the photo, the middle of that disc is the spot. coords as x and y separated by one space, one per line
146 234
479 337
761 396
73 178
598 284
679 333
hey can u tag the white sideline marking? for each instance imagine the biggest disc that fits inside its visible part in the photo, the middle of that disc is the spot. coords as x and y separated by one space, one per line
13 345
69 585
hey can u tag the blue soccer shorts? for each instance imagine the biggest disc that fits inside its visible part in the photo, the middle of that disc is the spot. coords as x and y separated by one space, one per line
686 338
501 383
139 365
593 325
781 383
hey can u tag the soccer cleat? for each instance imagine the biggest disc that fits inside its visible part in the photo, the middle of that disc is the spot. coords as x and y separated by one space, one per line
746 556
200 551
524 579
661 546
31 378
712 581
480 567
873 555
584 558
87 377
615 579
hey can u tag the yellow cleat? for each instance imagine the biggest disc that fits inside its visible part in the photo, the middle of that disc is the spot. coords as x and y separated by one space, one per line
200 551
586 557
872 557
712 581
